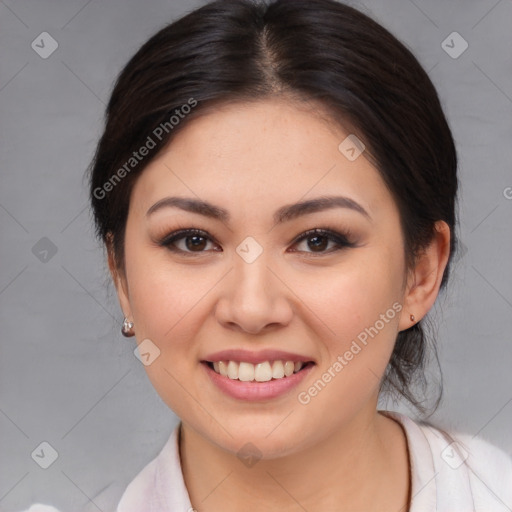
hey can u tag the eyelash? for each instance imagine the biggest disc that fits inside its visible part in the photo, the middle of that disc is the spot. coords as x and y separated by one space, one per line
343 240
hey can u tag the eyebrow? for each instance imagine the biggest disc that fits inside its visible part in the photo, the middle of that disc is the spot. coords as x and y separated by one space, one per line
283 214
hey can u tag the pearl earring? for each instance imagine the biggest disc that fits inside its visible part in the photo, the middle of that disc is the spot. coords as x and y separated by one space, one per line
126 329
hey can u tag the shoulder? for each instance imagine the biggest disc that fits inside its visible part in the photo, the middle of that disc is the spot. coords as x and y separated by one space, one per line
142 488
160 484
456 448
463 468
487 467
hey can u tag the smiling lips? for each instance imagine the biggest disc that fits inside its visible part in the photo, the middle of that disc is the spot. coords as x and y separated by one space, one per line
249 366
260 372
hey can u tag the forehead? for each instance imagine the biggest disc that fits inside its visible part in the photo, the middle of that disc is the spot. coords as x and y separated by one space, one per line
261 152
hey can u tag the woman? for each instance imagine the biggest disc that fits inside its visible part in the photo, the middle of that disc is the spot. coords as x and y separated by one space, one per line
276 189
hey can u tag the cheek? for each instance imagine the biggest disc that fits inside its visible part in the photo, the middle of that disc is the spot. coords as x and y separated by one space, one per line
354 296
167 307
362 312
360 303
165 295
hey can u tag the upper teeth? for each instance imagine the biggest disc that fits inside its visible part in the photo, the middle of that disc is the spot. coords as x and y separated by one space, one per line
260 372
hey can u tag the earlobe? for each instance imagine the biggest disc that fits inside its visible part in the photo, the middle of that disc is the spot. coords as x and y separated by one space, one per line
425 279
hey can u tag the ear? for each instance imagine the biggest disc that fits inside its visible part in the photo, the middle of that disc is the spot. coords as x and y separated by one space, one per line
119 279
425 279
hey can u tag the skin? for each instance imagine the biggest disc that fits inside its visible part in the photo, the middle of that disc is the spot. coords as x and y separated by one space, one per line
337 452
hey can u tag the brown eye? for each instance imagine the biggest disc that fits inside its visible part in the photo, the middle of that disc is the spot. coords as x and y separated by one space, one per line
317 240
195 242
187 241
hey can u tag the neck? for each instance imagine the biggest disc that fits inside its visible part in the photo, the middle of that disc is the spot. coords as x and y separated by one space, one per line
361 466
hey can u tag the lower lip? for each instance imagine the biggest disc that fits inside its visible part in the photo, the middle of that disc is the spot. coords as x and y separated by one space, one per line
256 391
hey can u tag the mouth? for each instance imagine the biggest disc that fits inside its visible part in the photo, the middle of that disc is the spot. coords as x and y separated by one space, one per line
256 376
264 371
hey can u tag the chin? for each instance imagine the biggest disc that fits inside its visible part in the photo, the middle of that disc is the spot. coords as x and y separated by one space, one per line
269 439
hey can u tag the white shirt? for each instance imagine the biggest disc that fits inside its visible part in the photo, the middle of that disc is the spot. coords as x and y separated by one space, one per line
469 475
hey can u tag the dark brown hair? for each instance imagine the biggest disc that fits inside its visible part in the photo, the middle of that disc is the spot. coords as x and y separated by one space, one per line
313 50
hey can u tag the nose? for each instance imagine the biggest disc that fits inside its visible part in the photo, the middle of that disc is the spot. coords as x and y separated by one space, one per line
255 298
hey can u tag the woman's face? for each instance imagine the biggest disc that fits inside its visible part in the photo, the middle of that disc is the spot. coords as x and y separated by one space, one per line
248 282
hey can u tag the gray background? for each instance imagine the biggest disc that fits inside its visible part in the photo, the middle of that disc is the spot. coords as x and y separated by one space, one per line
67 376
